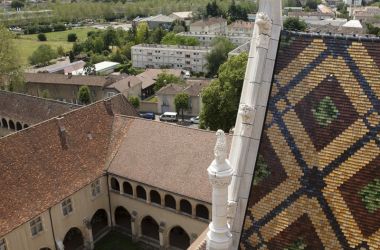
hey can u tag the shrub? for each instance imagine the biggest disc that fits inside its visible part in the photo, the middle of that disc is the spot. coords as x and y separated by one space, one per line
41 37
59 27
72 37
135 101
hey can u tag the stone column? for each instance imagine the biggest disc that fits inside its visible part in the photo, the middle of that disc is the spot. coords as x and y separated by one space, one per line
162 235
177 204
90 241
133 226
220 173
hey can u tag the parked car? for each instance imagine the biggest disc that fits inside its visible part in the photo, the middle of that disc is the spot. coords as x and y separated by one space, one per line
169 117
148 115
194 120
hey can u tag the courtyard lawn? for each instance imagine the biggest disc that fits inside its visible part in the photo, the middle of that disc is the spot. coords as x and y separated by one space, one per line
27 44
116 241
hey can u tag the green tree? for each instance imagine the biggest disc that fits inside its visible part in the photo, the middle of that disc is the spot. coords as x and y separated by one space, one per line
45 93
110 38
220 100
41 37
164 78
17 4
173 39
218 55
295 24
72 37
156 35
135 101
142 33
213 9
89 69
60 51
84 95
181 102
312 4
42 55
11 73
237 12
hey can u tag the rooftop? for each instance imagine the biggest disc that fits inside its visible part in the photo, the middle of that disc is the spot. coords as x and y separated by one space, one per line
31 109
45 78
149 76
178 47
209 21
192 88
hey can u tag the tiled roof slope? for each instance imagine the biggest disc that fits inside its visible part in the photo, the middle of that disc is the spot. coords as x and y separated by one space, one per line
42 165
317 177
163 155
31 109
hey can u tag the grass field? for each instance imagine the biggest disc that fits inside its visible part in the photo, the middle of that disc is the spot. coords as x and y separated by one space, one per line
26 44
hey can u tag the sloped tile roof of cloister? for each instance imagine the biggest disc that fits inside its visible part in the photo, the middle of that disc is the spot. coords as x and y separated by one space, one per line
31 109
47 162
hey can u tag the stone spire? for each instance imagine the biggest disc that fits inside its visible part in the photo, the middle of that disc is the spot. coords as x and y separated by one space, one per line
220 175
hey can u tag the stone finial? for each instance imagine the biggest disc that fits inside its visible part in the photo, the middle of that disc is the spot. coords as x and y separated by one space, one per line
264 23
220 150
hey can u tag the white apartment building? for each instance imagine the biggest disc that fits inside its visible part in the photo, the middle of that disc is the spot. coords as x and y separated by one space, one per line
353 2
191 58
206 38
210 25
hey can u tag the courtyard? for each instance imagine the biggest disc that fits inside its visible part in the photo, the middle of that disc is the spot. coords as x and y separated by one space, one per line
116 241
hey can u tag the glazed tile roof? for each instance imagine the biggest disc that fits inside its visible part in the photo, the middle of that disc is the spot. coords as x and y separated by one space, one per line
317 178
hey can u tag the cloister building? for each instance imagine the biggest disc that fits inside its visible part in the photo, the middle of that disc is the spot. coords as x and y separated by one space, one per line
68 181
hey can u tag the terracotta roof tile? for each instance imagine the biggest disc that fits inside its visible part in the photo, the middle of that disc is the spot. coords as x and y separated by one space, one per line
166 156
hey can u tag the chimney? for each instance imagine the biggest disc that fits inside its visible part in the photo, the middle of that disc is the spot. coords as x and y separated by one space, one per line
62 133
129 84
69 75
108 105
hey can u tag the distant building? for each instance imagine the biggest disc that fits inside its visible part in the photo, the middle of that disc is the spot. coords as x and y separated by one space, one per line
210 25
206 38
193 88
311 16
353 2
185 16
65 88
192 58
241 27
242 48
64 69
149 77
155 21
102 68
128 86
366 14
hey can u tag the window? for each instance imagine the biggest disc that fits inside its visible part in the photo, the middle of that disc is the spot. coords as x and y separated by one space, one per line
36 226
110 94
3 245
95 188
67 208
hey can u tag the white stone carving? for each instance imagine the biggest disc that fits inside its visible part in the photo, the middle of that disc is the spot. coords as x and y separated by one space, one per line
220 150
246 112
264 23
